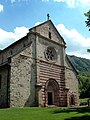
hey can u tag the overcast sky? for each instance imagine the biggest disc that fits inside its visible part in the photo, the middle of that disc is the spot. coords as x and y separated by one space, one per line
17 16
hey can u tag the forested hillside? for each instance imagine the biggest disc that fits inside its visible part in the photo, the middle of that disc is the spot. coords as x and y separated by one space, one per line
81 64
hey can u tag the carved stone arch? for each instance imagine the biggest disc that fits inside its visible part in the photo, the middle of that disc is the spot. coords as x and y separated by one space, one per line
52 93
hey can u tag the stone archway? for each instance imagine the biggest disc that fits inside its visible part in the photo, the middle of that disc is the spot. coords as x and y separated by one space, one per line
52 93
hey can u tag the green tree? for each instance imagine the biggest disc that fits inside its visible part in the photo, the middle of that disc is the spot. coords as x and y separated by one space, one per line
88 19
88 23
84 85
88 50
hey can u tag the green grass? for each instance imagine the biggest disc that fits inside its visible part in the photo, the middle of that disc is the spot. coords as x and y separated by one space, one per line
81 113
84 100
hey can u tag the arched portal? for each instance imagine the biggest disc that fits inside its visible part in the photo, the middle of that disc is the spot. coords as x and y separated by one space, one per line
52 93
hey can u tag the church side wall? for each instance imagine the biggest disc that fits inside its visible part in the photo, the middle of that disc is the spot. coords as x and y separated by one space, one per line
3 87
23 78
14 49
71 83
10 52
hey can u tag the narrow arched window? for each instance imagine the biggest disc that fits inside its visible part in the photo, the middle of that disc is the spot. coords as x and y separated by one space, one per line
49 34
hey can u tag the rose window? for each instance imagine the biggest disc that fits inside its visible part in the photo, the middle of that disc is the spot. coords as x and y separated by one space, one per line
50 54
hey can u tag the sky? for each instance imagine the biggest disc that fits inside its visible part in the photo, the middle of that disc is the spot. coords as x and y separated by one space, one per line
17 16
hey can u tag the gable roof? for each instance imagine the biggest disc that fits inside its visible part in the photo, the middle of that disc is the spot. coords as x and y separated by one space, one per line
52 25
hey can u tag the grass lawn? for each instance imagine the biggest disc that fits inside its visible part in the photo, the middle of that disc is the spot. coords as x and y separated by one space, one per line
84 100
81 113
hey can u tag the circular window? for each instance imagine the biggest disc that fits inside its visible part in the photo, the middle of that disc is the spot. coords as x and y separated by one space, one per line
50 54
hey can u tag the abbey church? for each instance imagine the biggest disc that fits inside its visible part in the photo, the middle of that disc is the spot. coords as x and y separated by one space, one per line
35 71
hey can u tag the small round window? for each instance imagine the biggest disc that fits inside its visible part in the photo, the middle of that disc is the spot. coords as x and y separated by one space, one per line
50 54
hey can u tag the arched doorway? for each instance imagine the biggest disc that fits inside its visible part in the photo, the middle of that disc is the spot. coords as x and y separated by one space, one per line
52 93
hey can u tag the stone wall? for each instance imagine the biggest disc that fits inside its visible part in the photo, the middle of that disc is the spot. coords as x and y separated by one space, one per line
71 82
47 70
44 30
30 70
23 78
42 45
15 48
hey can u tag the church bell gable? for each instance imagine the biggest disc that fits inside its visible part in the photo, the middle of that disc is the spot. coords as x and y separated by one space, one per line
48 30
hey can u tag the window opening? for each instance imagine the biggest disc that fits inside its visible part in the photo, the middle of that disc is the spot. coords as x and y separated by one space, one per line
50 53
49 34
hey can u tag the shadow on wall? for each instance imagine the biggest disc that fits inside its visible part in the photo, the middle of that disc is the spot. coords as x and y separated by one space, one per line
31 101
29 104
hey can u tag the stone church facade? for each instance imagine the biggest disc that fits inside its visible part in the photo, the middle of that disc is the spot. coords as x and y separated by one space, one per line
35 71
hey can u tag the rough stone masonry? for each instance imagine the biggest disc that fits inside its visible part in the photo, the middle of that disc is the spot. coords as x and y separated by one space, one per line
35 71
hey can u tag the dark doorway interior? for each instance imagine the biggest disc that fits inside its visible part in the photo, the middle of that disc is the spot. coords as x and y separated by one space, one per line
50 98
72 100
